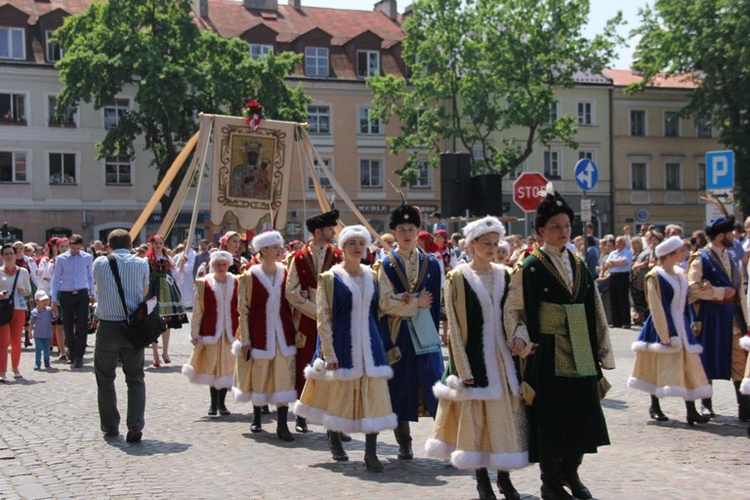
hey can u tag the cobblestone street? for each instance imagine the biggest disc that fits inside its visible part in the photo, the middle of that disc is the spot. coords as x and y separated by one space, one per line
51 446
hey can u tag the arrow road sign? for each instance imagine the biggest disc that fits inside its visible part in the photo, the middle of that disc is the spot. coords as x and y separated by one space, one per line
586 174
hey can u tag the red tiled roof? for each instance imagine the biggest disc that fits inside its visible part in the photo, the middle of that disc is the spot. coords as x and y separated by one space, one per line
625 77
231 19
36 9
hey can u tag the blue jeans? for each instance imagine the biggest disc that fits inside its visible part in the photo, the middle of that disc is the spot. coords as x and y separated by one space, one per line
111 345
41 346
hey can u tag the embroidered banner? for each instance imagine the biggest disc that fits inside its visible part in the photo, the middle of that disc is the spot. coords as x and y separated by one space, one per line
251 174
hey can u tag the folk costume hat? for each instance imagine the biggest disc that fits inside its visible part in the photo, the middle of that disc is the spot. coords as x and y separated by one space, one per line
552 204
477 228
322 220
266 239
356 231
719 225
221 255
668 246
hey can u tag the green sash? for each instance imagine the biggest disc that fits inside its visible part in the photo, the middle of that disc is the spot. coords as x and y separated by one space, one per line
567 322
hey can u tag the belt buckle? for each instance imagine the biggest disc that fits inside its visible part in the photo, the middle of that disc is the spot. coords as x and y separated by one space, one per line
74 292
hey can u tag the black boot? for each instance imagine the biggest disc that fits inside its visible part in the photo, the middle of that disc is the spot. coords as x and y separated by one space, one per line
265 410
693 417
552 488
403 438
743 403
655 410
222 400
337 449
371 453
212 408
708 405
301 424
345 438
506 486
484 485
282 430
256 425
569 475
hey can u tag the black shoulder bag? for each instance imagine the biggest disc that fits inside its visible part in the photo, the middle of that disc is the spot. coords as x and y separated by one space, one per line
6 305
141 328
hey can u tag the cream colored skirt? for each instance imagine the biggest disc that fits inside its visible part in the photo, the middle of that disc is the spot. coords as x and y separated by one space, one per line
265 381
674 374
211 364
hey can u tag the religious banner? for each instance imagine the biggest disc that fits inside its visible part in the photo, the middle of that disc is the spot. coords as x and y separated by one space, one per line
251 173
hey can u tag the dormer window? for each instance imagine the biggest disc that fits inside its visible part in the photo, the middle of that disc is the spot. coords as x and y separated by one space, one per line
260 50
368 63
316 61
12 44
54 51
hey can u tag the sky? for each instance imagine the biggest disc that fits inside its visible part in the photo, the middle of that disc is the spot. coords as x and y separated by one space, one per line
601 10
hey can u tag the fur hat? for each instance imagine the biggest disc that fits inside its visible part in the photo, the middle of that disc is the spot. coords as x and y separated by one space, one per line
668 246
720 225
267 238
221 255
477 228
356 231
322 220
552 204
405 214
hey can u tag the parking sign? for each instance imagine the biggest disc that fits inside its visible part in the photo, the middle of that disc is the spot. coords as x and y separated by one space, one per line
720 170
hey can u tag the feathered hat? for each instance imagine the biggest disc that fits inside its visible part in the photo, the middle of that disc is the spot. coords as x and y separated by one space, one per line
719 225
405 214
551 205
320 221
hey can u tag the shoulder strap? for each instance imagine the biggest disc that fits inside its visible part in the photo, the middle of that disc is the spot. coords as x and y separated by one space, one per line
116 274
15 280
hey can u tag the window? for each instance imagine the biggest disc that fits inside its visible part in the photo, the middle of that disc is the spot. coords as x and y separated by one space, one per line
671 124
316 61
62 168
368 63
366 125
12 44
258 50
703 127
672 176
319 119
12 166
637 122
516 172
554 113
423 175
117 171
114 110
552 164
324 182
701 184
585 113
370 173
589 155
638 176
66 119
13 108
54 51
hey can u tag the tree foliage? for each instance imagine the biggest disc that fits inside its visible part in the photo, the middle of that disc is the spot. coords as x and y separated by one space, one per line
176 69
709 42
476 68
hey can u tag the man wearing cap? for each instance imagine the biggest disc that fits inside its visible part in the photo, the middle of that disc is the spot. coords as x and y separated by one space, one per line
409 281
555 323
720 313
315 258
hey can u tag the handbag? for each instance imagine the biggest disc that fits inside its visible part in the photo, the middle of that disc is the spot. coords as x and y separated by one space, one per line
6 305
142 328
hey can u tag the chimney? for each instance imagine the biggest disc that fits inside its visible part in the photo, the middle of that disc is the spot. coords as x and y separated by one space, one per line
262 5
387 7
200 7
297 4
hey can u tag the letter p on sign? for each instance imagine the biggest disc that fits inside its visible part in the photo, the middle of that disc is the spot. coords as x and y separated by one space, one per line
720 170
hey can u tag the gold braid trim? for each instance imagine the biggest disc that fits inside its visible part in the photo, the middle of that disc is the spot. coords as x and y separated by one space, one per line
547 263
400 273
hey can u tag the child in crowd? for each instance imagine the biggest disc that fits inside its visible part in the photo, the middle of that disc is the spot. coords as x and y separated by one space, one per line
40 325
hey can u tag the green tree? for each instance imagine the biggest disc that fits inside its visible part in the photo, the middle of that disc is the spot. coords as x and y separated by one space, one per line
707 41
177 71
476 68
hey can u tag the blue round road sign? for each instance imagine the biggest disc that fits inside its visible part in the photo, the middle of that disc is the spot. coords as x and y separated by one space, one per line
586 174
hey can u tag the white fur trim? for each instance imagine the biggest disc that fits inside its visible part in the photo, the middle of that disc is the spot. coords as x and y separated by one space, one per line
489 224
274 327
221 255
195 377
745 387
475 459
364 425
436 448
671 391
355 231
317 370
745 342
668 246
223 382
273 398
312 414
237 348
223 310
239 396
267 238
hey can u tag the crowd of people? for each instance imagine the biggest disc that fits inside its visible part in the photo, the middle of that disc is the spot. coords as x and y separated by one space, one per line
349 335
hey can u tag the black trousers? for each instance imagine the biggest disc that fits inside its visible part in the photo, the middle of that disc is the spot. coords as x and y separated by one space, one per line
74 308
619 299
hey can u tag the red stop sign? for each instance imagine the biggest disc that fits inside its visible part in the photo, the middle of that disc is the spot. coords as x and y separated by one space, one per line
527 191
